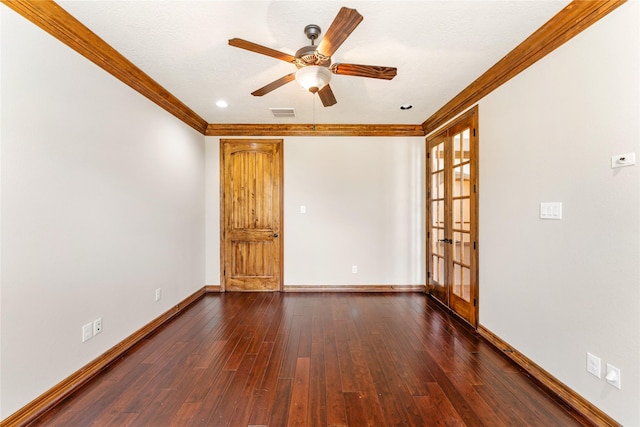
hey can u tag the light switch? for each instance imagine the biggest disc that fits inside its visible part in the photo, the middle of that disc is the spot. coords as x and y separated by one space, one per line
303 209
551 210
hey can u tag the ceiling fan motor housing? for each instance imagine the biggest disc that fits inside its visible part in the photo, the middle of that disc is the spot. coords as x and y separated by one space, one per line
306 55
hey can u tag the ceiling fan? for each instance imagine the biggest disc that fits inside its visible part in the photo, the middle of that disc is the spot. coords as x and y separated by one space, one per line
314 62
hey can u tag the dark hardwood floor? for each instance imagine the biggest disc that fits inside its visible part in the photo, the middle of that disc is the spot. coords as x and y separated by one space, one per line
305 359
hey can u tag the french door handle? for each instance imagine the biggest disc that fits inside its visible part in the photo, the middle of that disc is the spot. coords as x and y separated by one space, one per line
446 240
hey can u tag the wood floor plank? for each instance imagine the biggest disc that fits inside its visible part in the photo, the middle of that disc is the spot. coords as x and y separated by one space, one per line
267 391
186 414
264 316
312 359
367 390
336 410
485 412
299 406
279 412
356 412
290 358
317 413
232 395
438 410
242 412
212 400
345 359
393 393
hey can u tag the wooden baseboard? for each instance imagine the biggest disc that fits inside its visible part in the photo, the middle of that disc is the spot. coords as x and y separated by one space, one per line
555 386
355 288
212 288
63 389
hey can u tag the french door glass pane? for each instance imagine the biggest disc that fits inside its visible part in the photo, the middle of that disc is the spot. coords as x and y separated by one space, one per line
457 144
437 185
466 283
465 214
457 280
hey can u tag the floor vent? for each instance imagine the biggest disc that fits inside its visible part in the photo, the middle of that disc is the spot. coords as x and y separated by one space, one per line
279 113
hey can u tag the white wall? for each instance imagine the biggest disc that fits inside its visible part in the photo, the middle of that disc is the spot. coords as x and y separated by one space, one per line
364 200
212 202
102 203
103 200
558 289
1 416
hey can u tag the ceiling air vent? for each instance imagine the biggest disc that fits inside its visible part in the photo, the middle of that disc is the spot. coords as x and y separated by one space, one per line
280 113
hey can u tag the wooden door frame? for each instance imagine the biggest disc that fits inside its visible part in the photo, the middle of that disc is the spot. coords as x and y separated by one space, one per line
470 116
280 207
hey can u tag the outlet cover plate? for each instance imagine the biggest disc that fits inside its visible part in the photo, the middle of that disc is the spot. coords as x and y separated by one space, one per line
613 376
87 332
622 160
551 210
97 326
594 366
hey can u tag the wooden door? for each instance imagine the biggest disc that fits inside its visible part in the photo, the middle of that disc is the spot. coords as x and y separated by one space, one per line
251 217
452 229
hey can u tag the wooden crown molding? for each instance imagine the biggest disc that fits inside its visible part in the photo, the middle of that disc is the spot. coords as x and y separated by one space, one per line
573 19
313 130
570 21
59 23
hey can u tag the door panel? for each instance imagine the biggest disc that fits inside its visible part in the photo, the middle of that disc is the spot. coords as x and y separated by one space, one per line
251 184
452 219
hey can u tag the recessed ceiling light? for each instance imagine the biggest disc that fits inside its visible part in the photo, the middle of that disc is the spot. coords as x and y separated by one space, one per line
406 106
222 103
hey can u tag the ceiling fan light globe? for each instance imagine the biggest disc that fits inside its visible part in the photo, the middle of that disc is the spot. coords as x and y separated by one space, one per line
313 77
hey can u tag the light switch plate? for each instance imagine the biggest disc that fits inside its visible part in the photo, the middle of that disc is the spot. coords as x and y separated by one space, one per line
551 210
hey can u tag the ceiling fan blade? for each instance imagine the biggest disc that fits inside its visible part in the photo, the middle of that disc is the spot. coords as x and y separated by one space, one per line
274 85
372 71
344 23
253 47
326 96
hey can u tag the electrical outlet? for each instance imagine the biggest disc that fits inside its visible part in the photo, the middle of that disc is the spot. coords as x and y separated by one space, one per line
87 332
593 365
158 294
613 376
97 326
354 269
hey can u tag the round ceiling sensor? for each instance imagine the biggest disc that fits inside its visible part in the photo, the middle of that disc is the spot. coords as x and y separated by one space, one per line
406 106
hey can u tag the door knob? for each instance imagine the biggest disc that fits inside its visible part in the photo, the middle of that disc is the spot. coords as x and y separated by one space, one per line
275 234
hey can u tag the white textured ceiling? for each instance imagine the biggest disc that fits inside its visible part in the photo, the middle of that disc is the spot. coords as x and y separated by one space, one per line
439 48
